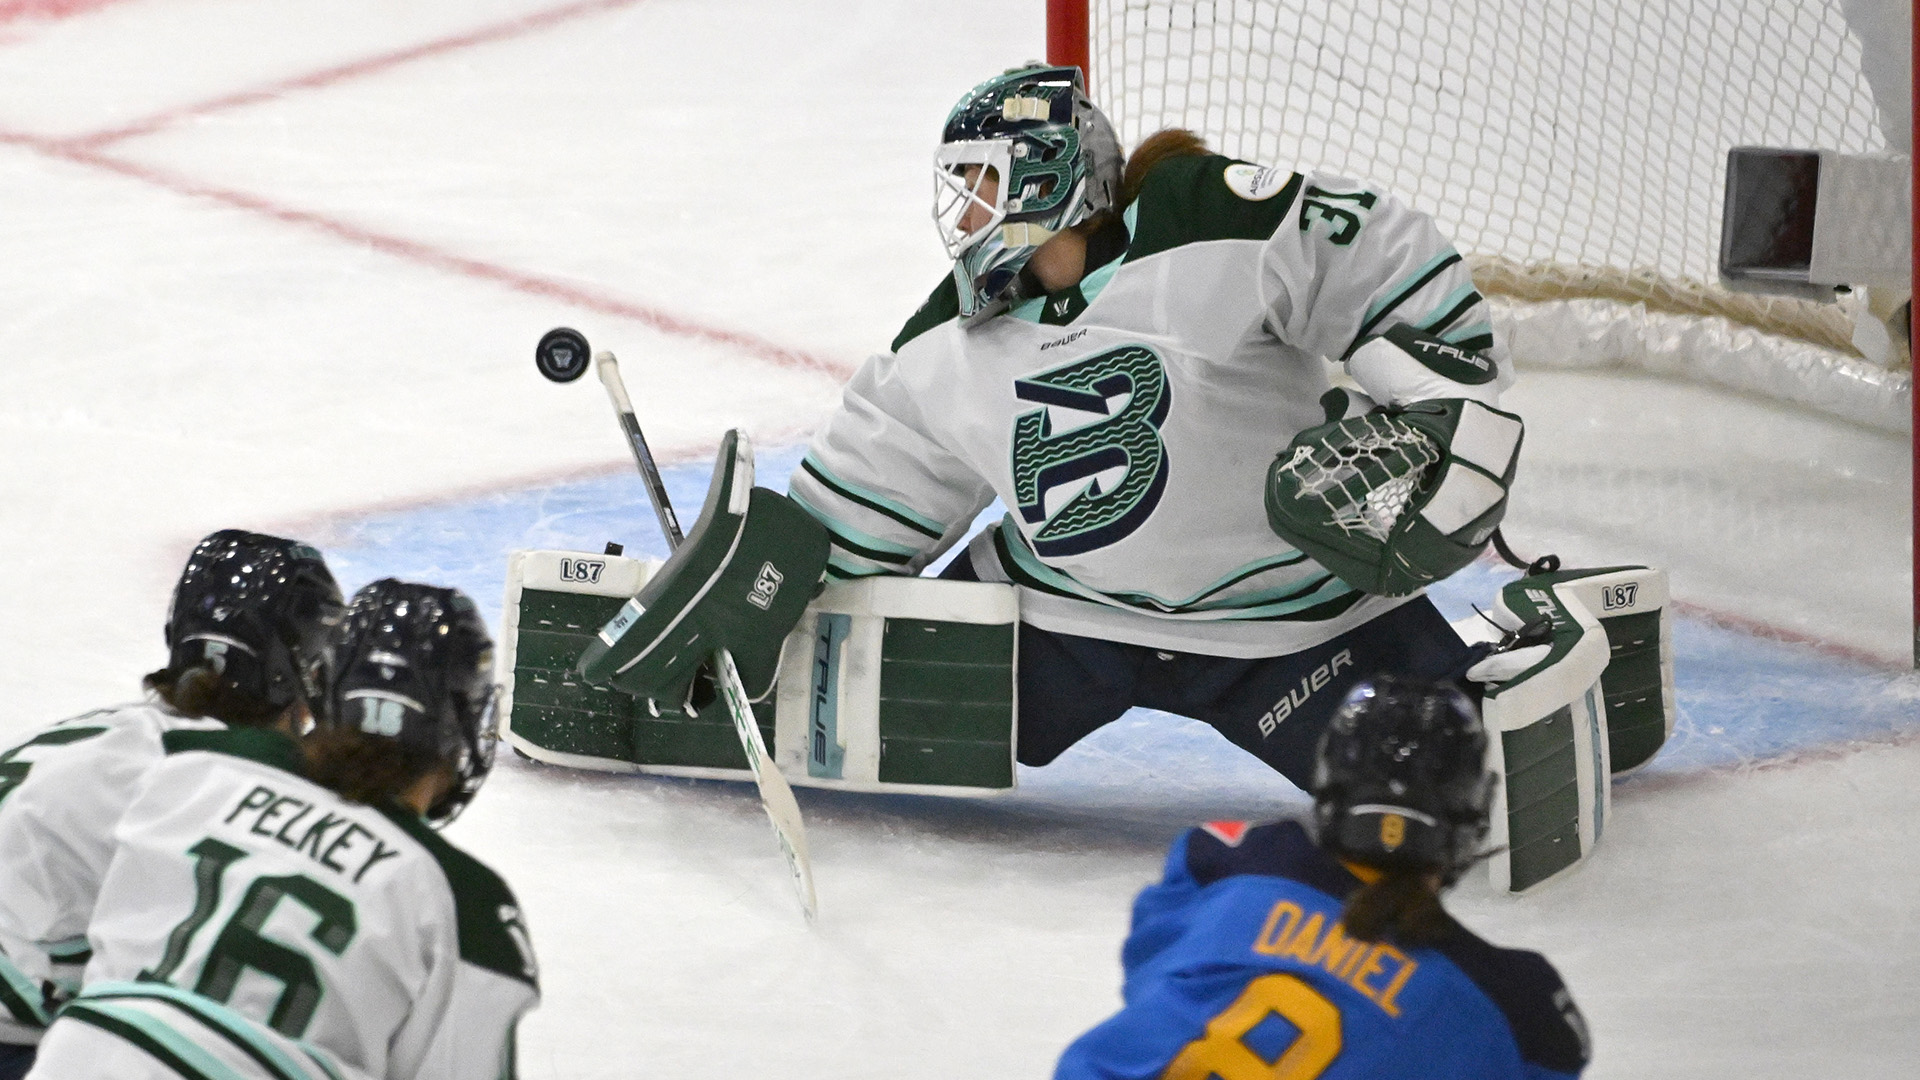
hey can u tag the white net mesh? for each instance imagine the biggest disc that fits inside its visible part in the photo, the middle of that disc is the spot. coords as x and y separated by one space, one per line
1560 142
1364 473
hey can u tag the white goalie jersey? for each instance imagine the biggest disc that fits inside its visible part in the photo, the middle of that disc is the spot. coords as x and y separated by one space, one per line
62 792
253 924
1127 422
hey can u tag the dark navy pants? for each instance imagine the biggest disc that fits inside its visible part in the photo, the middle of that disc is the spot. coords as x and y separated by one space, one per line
15 1060
1274 707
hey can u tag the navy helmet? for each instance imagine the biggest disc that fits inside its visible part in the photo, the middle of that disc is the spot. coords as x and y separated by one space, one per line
414 663
1403 779
257 611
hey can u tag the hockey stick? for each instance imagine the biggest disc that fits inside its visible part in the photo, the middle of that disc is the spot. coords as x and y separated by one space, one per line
776 796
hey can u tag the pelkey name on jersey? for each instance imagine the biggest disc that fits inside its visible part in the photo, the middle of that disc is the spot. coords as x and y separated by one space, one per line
332 840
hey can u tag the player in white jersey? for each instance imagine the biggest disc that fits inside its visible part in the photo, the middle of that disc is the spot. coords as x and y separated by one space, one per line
287 911
246 636
1118 357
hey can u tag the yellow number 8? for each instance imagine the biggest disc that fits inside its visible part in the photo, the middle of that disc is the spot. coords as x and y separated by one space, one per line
1221 1053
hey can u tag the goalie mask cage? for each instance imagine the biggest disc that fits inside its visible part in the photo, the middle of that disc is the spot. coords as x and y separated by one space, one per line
1574 150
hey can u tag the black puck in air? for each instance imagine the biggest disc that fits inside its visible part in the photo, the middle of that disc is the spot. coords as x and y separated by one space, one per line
562 354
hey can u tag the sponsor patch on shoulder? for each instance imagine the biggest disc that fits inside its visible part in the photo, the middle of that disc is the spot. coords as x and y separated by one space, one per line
1256 183
1229 833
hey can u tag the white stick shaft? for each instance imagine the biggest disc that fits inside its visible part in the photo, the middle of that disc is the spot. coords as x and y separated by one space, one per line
776 796
609 371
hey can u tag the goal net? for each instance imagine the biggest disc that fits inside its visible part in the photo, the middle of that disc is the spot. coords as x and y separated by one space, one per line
1575 150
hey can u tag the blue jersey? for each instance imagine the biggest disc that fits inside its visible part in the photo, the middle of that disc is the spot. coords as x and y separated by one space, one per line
1237 967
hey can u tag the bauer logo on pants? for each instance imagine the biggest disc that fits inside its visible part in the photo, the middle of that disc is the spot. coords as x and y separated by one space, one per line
765 587
1310 685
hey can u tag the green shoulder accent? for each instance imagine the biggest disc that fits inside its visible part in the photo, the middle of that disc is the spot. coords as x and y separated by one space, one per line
254 744
492 933
1186 200
943 305
54 736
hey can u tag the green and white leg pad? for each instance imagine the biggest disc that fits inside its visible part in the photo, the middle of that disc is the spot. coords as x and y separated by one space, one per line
1550 710
895 682
886 684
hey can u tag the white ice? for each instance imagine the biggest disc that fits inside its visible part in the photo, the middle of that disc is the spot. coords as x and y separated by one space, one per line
318 298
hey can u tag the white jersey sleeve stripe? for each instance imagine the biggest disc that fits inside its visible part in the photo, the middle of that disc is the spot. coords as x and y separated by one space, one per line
865 545
1449 310
1464 334
243 1033
1413 283
155 1038
840 568
20 996
854 493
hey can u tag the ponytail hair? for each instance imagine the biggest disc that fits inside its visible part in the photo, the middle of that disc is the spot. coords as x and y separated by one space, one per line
1154 149
363 768
1402 904
201 691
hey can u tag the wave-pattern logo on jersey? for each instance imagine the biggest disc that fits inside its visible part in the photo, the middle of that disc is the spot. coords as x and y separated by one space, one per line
1045 459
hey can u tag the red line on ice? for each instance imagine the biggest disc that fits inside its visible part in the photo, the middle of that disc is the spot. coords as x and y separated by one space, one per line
19 10
1760 629
512 28
576 295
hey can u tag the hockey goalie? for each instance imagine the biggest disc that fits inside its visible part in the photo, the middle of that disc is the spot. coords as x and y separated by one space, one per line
1135 358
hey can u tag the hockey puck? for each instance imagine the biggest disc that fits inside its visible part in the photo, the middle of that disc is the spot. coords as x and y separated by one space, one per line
562 354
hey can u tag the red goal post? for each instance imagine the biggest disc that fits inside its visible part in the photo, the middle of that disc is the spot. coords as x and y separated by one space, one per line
1575 150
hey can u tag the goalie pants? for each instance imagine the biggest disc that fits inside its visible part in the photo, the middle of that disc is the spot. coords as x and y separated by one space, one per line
1272 707
15 1060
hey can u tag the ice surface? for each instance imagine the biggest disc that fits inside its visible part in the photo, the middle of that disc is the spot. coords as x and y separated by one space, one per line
282 267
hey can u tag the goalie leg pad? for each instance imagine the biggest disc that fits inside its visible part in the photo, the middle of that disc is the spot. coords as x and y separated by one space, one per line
1631 604
1547 735
893 683
887 684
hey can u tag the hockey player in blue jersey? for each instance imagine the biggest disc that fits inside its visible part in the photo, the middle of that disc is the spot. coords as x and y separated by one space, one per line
1267 952
1118 357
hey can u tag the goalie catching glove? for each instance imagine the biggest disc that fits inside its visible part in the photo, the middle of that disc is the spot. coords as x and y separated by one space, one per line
739 582
1398 498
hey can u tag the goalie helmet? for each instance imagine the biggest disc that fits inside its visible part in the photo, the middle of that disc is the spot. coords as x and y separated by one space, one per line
1029 153
1402 780
413 663
256 610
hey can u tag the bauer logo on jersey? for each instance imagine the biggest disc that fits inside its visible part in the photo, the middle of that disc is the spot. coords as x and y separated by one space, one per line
766 586
1256 183
1089 466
